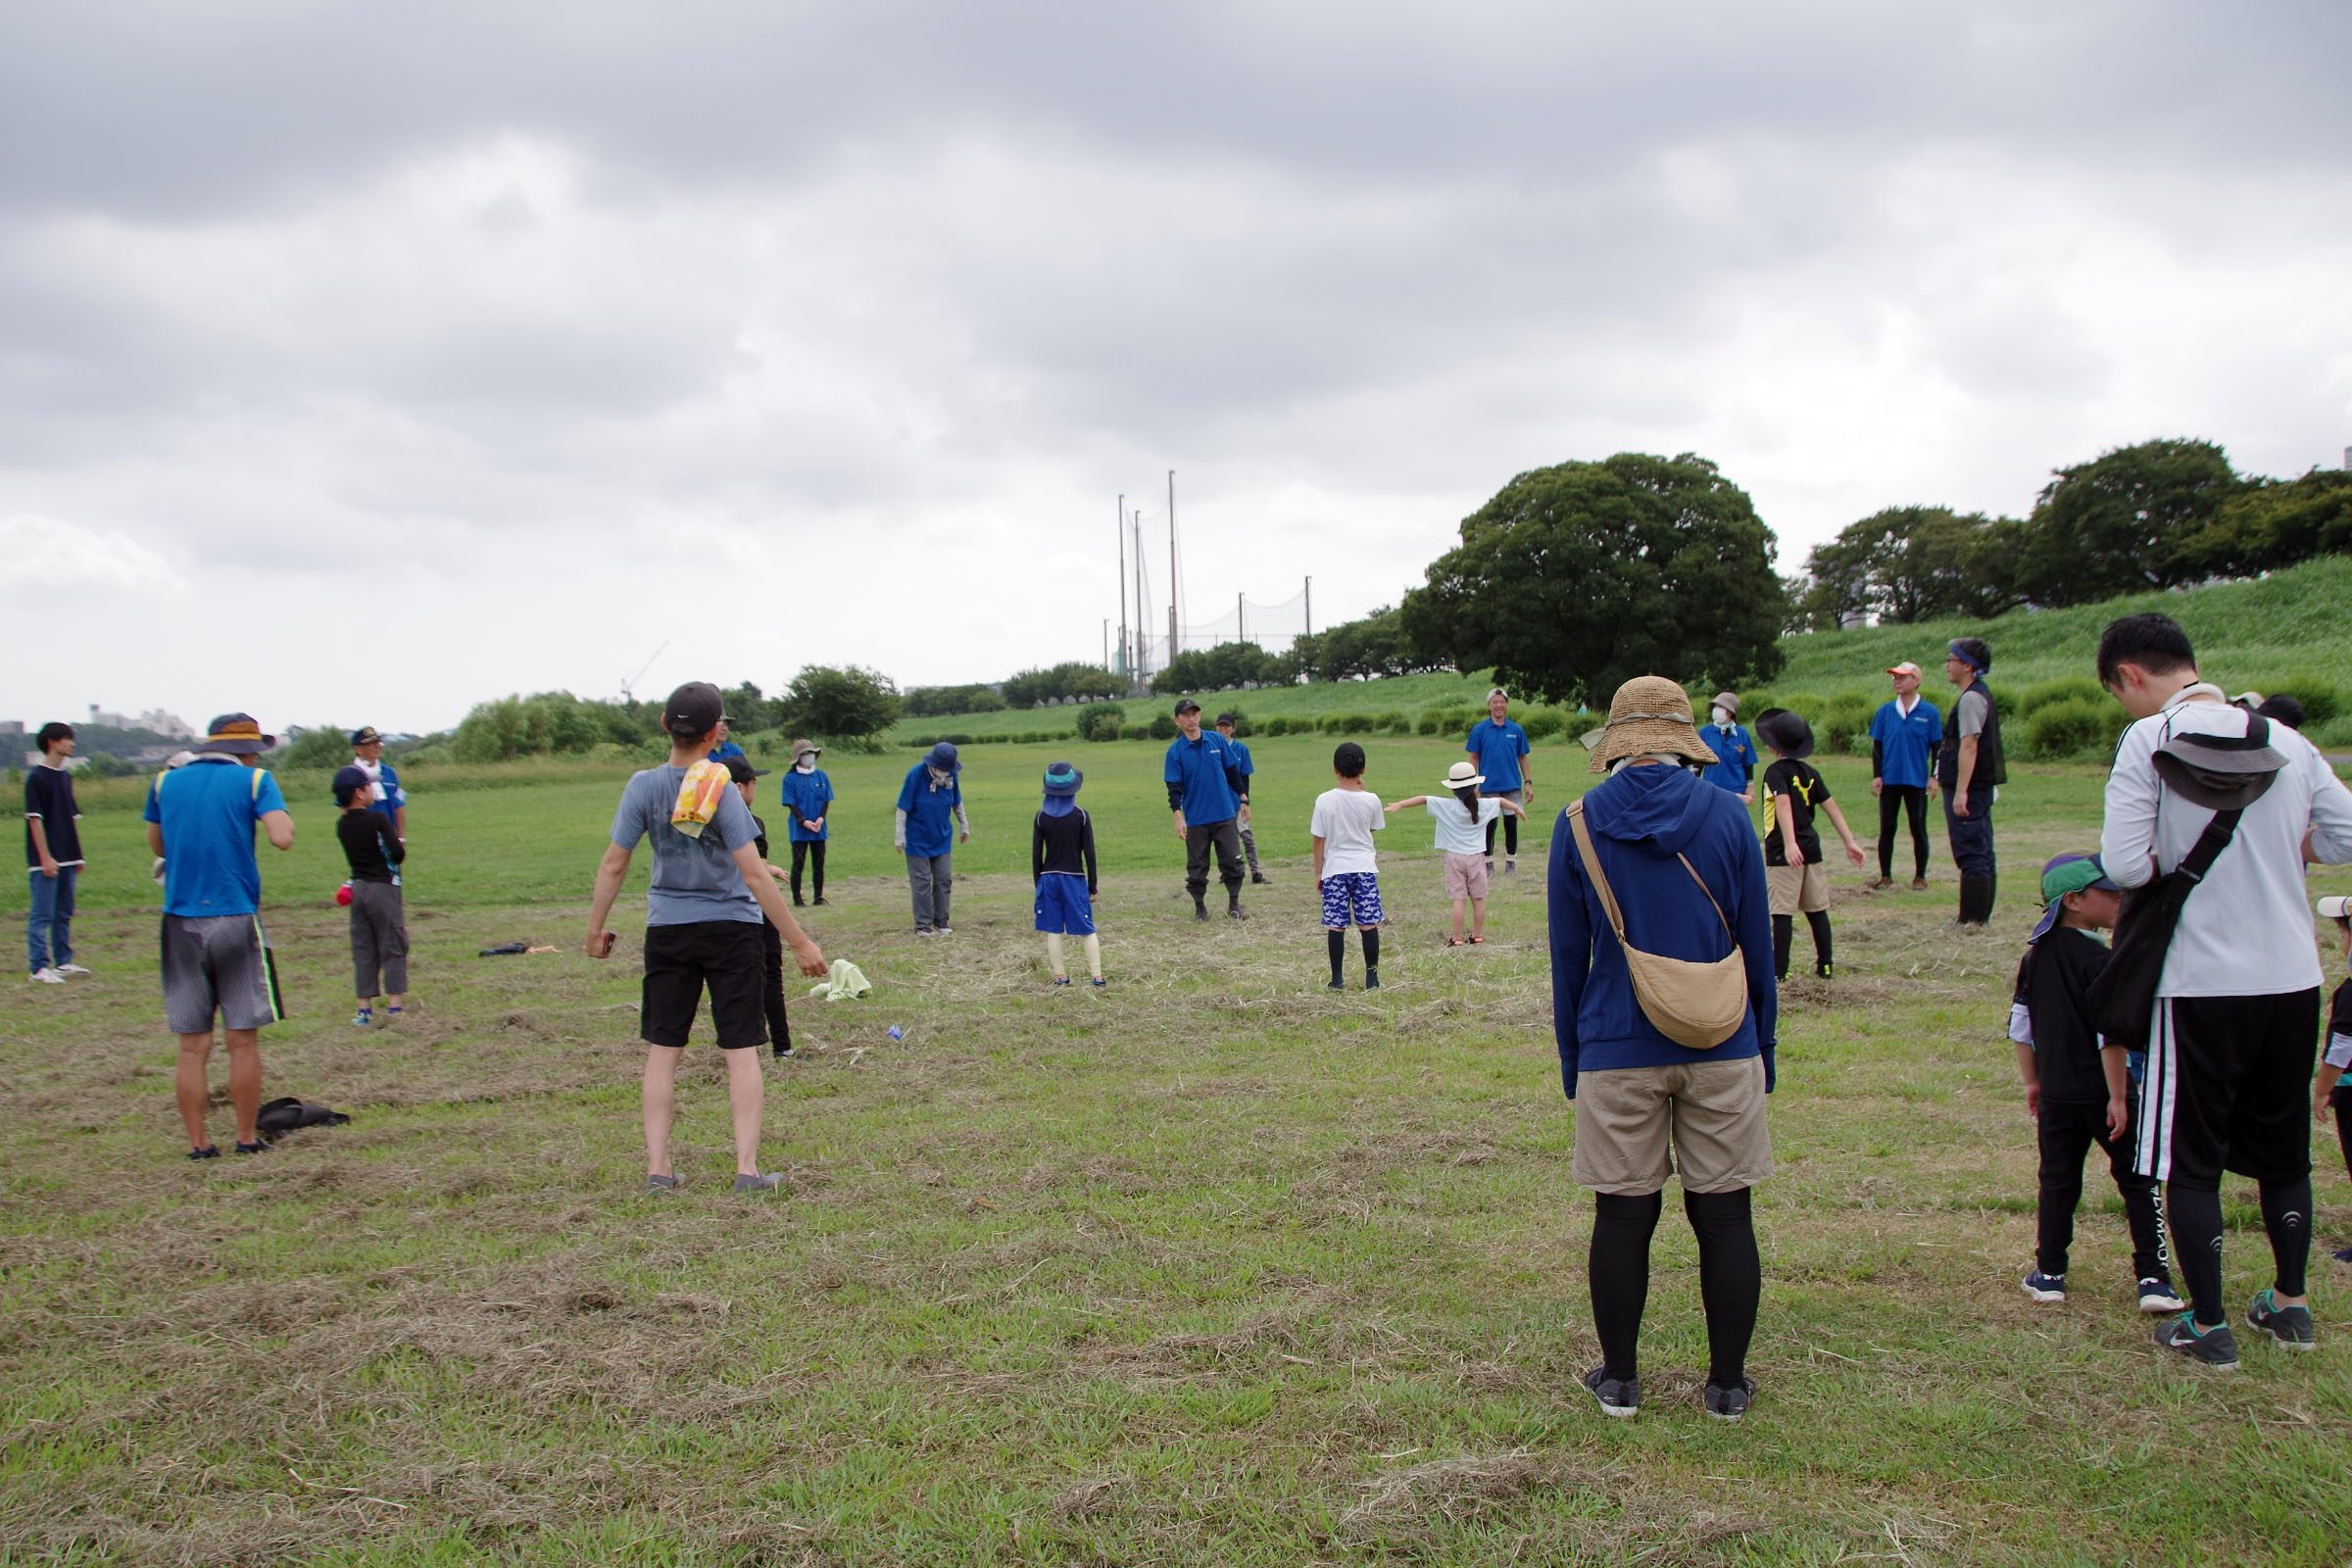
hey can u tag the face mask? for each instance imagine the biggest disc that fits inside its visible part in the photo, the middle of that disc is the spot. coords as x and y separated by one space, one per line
807 764
1723 718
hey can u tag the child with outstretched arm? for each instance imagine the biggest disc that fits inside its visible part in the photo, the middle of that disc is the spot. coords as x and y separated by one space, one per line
2079 1087
1465 818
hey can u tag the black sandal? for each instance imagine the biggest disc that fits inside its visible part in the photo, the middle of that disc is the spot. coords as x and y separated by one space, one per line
207 1152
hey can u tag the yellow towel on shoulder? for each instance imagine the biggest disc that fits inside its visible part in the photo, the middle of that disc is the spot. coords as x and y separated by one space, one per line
699 794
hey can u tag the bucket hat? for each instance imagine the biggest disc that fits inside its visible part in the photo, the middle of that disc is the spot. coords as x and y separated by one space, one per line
239 734
1063 779
2221 772
1463 775
1649 713
1728 702
1786 732
942 757
800 749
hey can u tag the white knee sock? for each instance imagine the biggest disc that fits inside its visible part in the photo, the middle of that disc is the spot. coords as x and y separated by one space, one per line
1094 956
1053 953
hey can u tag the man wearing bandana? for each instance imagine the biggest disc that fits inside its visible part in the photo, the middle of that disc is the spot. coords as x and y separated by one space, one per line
1970 768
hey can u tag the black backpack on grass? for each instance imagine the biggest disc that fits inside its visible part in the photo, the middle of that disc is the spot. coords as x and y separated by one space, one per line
281 1116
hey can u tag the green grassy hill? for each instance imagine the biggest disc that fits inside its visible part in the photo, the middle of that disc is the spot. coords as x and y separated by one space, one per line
1408 694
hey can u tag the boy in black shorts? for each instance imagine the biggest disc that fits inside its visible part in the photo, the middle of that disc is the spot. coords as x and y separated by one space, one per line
745 778
2331 1085
379 931
2079 1089
708 890
1793 875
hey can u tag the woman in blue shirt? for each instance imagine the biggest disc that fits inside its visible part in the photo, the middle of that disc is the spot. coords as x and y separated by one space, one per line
931 823
1735 765
807 794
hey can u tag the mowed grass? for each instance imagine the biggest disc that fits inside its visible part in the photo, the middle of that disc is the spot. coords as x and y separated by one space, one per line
1213 1266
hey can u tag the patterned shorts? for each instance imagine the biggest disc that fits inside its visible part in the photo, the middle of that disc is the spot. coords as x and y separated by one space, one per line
1352 897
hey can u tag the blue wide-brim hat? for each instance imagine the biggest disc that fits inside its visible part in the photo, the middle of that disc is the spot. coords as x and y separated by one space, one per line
942 757
1063 779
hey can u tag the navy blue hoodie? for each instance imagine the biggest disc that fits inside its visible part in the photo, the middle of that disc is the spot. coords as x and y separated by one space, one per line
1641 818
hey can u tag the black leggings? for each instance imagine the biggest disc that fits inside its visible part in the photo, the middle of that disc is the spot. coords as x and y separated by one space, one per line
2195 1212
813 851
1508 822
1730 1276
1894 798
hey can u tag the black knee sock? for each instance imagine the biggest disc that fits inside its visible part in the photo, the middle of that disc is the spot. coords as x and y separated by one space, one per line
2197 1216
1371 948
1819 920
1617 1269
1784 930
1338 943
2286 1215
1730 1278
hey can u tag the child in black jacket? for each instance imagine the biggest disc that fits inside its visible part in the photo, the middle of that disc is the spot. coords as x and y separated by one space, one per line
2331 1085
2079 1089
1061 868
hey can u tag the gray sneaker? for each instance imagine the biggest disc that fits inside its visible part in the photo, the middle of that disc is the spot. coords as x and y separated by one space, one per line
768 1183
1732 1402
2215 1348
1618 1397
2289 1326
663 1184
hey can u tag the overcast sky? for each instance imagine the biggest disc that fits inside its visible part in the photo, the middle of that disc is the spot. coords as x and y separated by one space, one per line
360 363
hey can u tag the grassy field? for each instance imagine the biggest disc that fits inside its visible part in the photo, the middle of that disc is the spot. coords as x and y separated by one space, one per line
1213 1266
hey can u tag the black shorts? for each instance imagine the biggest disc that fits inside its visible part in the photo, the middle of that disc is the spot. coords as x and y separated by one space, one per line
2229 1088
681 959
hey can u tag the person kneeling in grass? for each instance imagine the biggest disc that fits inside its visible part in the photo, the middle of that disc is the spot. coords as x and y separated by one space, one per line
1792 869
379 933
2079 1089
1464 820
702 927
1346 868
1061 868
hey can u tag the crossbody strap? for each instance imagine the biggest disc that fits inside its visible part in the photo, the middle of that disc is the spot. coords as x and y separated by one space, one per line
1600 883
2210 844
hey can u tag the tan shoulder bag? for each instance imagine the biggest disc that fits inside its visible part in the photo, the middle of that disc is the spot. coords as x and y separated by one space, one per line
1695 1005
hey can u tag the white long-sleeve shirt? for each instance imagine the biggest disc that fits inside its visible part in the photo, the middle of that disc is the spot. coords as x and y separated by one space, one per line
2246 929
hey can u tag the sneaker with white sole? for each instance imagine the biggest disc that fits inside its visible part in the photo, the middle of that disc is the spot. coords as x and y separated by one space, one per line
1730 1403
2215 1348
2158 1295
62 970
2289 1326
1617 1397
2045 1287
46 977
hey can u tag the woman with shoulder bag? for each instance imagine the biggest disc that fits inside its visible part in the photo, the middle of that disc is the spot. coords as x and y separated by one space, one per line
1664 1008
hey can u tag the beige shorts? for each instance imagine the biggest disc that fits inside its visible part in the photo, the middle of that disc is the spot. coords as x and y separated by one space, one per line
1465 875
1798 889
1635 1126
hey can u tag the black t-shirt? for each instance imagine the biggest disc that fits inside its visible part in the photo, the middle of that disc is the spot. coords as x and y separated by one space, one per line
759 836
1063 843
1805 788
369 845
49 796
2054 984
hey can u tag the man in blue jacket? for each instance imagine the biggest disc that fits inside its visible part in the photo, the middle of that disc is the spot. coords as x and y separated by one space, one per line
1207 794
1903 735
1682 867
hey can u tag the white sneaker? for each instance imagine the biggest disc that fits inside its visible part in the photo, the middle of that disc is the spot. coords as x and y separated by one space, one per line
47 977
64 969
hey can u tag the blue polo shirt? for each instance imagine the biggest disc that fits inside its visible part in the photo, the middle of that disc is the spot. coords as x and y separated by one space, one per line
724 750
930 812
1906 747
1198 766
1498 748
1735 756
1239 750
805 796
208 811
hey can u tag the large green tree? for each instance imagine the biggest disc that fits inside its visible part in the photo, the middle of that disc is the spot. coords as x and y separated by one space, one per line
844 701
2118 523
2271 523
1575 578
1908 563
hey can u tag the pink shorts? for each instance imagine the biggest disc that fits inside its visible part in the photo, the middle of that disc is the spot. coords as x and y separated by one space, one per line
1465 876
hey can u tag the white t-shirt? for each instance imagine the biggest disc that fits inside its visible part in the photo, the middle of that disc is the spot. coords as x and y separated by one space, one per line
1346 820
2245 930
1457 832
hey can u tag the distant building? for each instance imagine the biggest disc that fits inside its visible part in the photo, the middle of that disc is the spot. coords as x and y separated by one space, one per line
11 726
162 722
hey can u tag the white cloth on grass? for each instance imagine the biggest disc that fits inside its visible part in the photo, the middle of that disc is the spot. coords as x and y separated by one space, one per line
843 982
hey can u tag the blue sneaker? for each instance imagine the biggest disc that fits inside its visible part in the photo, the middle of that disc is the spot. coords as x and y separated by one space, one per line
2215 1348
2158 1295
2045 1287
2289 1326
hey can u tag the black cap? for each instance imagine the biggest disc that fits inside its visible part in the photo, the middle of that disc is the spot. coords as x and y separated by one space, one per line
694 708
1187 705
741 770
349 782
365 735
1228 719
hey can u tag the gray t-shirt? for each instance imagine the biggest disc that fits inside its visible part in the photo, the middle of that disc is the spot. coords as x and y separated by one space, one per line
1974 708
694 878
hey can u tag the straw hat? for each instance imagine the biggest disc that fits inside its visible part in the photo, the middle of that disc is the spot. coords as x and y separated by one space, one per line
1463 775
1649 713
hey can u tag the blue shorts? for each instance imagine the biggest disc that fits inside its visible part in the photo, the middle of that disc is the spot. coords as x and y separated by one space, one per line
1063 905
1356 891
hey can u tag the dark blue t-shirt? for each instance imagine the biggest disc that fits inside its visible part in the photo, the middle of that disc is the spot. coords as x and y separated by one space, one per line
207 811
